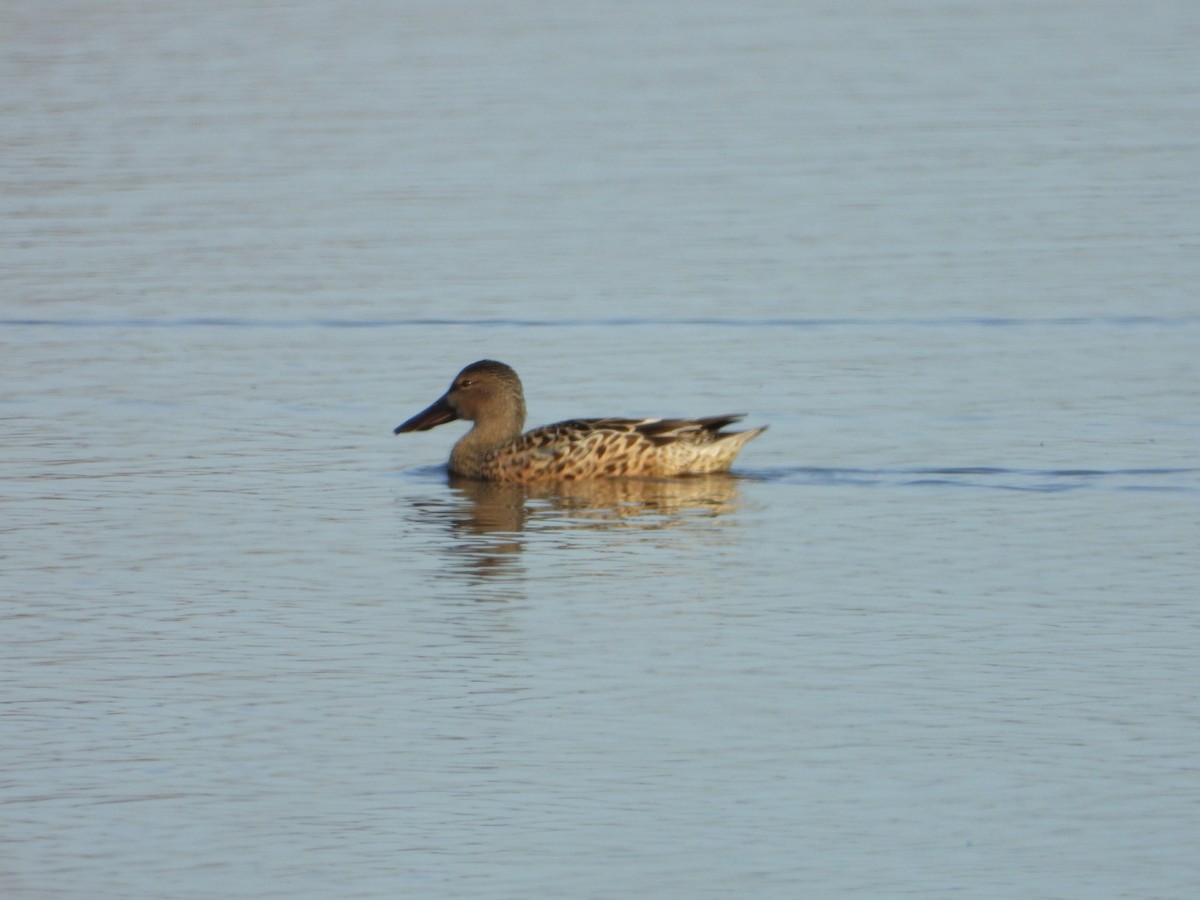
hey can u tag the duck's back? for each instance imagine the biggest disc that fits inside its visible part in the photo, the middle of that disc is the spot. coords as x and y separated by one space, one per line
609 448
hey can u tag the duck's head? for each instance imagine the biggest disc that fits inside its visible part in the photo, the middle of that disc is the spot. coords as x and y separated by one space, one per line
485 390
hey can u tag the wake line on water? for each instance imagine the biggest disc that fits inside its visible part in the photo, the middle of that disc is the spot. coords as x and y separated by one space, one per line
1044 481
1167 480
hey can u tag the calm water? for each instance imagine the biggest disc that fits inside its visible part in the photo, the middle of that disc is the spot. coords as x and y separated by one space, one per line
937 634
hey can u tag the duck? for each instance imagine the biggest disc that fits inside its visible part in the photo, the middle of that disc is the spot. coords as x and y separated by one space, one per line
488 394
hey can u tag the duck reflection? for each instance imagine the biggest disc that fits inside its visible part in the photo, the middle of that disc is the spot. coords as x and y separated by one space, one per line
599 503
491 521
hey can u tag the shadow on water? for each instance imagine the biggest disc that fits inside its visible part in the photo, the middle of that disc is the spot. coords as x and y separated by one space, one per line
990 478
490 523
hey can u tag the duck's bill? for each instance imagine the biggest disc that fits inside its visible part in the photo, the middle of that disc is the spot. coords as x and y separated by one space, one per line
438 414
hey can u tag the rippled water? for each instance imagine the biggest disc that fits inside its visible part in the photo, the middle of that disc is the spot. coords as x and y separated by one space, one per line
934 636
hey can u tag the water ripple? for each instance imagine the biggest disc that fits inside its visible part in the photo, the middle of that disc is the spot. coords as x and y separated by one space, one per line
617 322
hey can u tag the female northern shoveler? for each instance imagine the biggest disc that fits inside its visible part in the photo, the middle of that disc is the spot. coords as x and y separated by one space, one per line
489 394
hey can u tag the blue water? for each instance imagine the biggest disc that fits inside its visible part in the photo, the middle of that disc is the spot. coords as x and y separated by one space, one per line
936 634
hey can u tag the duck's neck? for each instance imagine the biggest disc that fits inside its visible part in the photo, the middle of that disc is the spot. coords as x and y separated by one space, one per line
495 429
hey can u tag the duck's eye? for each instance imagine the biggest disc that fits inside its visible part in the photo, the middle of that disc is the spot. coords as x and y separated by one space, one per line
465 383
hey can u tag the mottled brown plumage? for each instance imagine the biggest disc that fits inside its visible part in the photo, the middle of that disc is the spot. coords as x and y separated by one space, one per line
489 394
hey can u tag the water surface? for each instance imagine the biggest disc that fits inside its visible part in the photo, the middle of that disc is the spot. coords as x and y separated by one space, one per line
934 636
